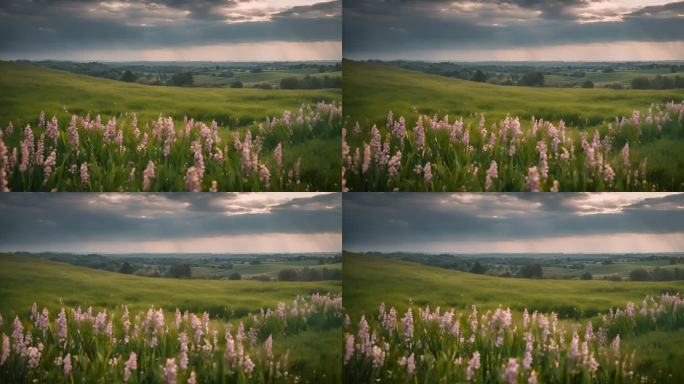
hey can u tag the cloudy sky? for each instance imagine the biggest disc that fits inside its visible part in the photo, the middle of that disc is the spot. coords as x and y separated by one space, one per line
171 222
514 222
518 30
128 30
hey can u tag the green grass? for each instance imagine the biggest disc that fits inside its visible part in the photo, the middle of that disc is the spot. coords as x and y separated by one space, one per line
602 78
25 280
26 90
371 90
315 353
368 281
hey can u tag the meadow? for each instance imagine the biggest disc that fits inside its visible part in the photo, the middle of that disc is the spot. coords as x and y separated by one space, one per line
439 353
302 337
406 130
133 137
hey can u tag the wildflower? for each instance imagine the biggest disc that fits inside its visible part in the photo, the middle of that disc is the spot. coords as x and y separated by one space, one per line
85 177
349 348
148 175
52 130
73 132
366 158
533 377
625 155
34 354
410 364
492 173
50 162
67 363
129 365
248 365
407 322
532 179
264 175
419 134
4 165
61 325
608 174
394 165
193 378
170 371
246 153
278 155
5 349
510 374
543 163
427 173
214 186
473 365
378 356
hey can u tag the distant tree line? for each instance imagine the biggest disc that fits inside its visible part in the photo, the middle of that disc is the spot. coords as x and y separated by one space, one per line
311 82
657 274
658 82
310 274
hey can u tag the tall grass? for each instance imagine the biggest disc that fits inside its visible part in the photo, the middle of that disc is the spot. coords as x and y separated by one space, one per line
474 154
86 153
153 346
428 346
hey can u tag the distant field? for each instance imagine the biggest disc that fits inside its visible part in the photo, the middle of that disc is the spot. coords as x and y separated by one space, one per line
250 78
601 79
399 283
372 90
26 280
247 270
29 89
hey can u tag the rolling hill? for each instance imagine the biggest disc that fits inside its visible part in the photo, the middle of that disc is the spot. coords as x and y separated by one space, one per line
27 89
370 90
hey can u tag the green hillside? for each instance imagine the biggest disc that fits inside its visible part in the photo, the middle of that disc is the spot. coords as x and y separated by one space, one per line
370 90
25 280
27 89
368 281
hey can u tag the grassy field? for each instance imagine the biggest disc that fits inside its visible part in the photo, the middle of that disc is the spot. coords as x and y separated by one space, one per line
369 281
27 280
400 283
307 139
29 89
438 155
248 78
600 78
372 90
268 268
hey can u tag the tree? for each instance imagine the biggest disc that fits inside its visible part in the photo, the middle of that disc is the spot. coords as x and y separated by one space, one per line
587 84
479 76
641 83
478 268
288 275
639 275
236 84
587 276
531 271
180 271
128 76
126 268
235 276
181 79
533 79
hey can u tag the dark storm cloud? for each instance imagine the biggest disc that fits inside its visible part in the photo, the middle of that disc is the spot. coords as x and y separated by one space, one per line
29 27
375 29
394 221
30 219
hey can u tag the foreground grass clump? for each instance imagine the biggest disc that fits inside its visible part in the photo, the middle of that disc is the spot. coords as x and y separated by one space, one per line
427 345
153 346
85 153
473 154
